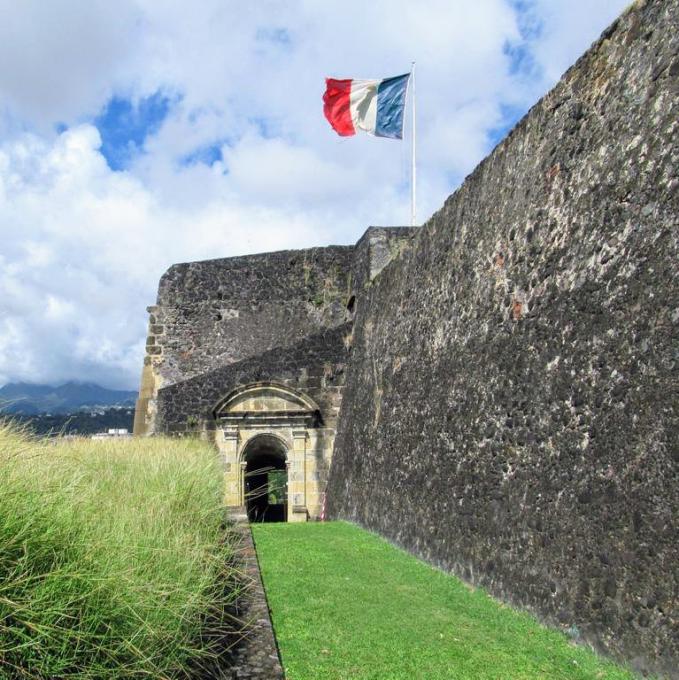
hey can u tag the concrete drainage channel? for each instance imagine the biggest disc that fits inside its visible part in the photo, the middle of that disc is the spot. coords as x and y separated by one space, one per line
256 656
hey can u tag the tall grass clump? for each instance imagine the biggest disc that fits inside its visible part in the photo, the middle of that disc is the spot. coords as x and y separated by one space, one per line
114 558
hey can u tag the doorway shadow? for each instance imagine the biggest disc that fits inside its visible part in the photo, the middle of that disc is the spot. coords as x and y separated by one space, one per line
266 480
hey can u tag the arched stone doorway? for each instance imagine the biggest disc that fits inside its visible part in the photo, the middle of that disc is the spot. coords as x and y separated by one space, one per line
266 479
270 425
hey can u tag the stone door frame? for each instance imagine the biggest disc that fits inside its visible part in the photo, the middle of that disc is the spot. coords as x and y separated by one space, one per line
273 410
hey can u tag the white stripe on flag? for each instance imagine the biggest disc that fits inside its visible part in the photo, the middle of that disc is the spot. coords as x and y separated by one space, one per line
363 104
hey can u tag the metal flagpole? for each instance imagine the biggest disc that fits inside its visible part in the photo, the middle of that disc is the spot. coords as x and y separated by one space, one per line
413 177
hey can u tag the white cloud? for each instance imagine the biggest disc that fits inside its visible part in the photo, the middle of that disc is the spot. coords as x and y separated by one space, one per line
568 29
61 59
82 247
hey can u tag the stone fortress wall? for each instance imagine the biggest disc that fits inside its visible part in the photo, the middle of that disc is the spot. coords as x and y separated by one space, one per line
218 312
250 352
496 392
511 404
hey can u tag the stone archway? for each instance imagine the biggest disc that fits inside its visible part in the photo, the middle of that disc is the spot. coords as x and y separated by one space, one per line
272 423
265 478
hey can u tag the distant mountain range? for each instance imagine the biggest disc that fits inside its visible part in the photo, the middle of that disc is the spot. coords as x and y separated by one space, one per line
71 397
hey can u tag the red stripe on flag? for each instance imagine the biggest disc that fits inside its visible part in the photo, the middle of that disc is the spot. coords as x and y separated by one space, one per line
336 106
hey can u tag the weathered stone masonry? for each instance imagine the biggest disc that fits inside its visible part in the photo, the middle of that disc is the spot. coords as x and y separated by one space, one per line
497 393
312 369
209 314
251 352
510 412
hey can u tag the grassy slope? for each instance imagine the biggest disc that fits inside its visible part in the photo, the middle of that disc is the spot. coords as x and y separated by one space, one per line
346 604
111 554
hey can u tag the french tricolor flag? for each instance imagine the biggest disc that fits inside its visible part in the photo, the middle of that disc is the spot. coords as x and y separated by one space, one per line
374 106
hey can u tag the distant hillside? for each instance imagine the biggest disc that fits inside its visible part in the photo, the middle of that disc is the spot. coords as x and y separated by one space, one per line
28 399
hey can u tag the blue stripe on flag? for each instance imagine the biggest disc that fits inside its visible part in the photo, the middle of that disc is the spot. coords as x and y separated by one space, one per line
391 103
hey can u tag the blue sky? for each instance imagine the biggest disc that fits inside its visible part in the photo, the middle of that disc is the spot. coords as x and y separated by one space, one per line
136 134
124 125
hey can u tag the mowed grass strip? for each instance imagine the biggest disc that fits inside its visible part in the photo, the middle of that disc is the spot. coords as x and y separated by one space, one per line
346 604
113 558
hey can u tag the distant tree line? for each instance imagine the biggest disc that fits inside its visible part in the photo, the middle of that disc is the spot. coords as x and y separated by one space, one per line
78 423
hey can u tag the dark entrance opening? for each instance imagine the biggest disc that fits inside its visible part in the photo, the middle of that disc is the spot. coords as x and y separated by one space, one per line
266 480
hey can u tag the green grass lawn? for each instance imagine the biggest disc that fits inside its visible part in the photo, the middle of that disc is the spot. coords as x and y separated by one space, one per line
346 604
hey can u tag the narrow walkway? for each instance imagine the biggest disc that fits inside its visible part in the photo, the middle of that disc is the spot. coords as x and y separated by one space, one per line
255 657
